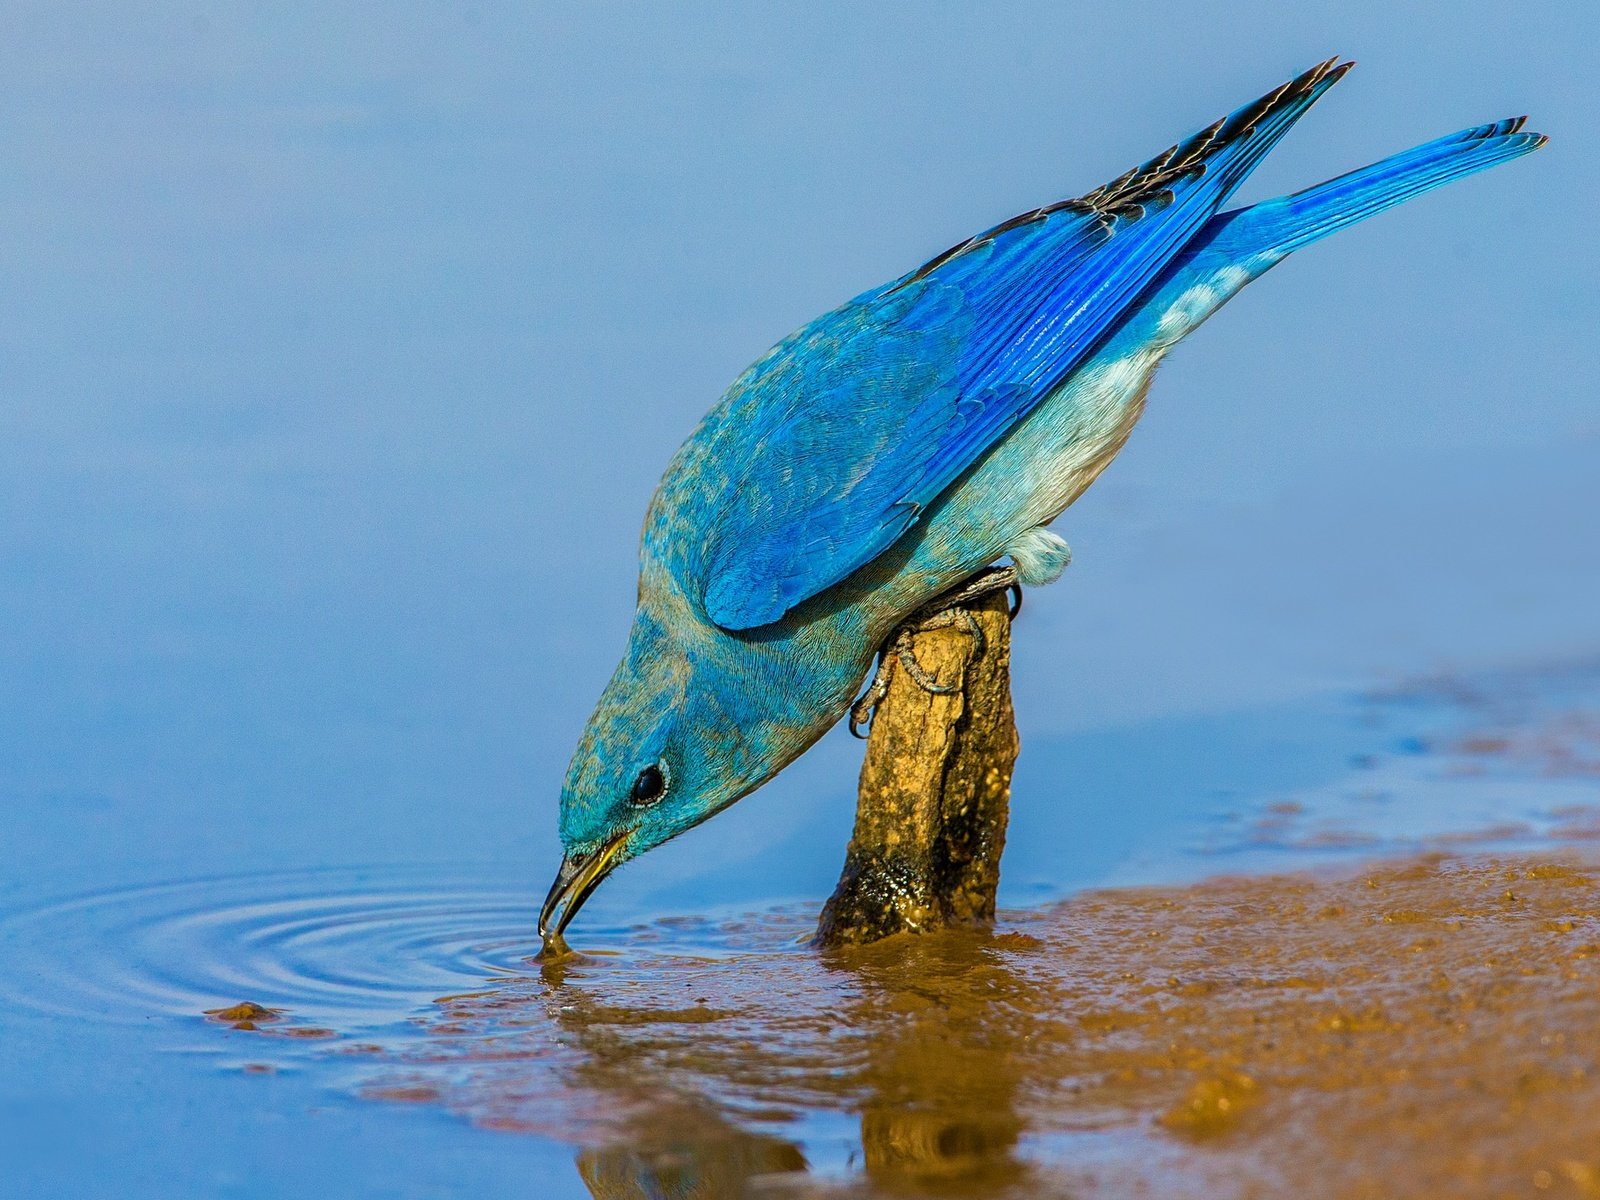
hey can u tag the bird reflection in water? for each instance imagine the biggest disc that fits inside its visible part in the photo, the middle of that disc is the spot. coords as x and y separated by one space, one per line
687 1155
680 1074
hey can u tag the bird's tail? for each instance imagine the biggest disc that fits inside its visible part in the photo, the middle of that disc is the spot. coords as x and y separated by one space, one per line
1274 228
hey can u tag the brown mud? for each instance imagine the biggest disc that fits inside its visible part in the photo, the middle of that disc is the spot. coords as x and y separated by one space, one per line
1425 1028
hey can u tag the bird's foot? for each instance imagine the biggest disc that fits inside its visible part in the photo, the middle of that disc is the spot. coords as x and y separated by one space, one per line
986 582
943 612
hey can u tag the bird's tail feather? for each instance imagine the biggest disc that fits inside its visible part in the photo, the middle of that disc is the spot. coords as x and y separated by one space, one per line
1274 228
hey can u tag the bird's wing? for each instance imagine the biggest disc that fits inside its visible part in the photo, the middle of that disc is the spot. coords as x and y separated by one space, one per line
855 424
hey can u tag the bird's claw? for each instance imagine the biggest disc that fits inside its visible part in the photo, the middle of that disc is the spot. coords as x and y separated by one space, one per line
943 612
984 583
866 707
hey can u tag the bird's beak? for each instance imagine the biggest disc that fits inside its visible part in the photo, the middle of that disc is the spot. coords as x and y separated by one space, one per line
579 875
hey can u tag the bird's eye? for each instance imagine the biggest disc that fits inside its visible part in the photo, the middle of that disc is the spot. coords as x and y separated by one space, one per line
649 787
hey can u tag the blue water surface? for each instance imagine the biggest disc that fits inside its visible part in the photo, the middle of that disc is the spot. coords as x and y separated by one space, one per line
342 349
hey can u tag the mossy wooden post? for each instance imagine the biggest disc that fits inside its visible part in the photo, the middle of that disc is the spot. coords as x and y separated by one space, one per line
935 790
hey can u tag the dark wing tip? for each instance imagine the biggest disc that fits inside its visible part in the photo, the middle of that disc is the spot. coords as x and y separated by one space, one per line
1148 186
1128 194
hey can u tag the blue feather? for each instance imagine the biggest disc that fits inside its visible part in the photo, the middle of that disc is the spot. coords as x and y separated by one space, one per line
1275 228
858 422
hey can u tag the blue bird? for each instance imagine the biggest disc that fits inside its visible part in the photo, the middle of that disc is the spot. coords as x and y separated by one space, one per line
901 445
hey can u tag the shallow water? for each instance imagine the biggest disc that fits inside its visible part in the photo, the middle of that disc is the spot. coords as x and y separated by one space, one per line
1148 1042
707 1050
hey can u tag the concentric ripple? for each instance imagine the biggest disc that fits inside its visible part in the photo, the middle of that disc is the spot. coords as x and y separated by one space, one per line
352 949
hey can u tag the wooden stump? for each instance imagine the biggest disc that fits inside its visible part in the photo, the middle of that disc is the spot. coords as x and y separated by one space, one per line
935 790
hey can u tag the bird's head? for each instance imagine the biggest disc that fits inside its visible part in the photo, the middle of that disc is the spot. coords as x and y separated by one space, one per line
675 739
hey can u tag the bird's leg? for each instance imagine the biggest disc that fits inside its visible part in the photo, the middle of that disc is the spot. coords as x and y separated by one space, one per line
866 705
990 579
906 652
942 612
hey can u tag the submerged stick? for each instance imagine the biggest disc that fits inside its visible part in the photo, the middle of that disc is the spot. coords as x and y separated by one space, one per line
935 790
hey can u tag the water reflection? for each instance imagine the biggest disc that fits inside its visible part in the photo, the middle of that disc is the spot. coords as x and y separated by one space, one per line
692 1153
654 1137
938 1089
1160 1041
681 1074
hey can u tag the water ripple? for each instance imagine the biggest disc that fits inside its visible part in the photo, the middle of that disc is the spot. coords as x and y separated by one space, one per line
351 948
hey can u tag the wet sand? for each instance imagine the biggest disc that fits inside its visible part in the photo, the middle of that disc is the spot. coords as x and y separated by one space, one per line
1426 1028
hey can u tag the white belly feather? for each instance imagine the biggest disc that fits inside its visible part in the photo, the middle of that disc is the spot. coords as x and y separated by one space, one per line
1082 427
